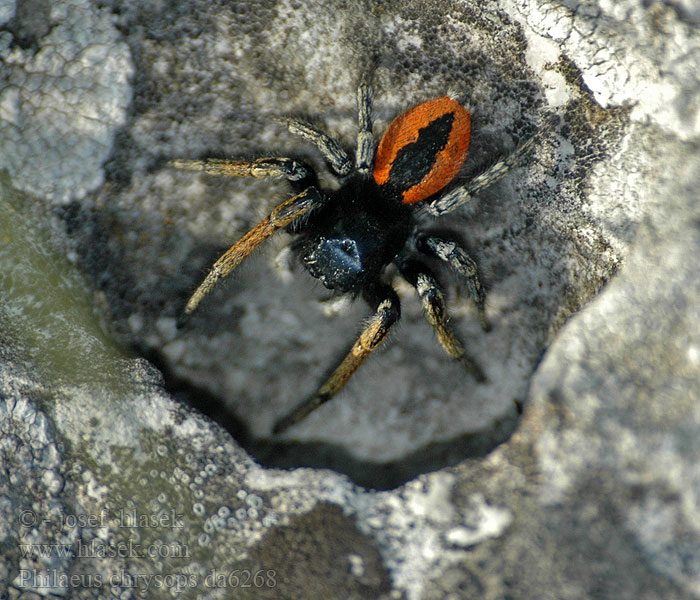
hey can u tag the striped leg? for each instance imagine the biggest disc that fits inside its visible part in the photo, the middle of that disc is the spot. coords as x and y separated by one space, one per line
335 156
463 194
461 263
293 170
364 152
420 277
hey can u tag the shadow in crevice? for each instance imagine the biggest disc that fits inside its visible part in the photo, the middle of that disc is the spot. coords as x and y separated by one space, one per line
103 264
322 455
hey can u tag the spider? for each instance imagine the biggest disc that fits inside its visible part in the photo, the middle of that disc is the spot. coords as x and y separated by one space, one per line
346 238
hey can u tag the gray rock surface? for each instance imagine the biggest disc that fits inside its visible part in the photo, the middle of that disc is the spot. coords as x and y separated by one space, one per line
65 92
111 485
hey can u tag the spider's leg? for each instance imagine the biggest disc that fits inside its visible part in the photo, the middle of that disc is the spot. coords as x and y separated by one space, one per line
461 263
387 312
294 170
364 152
420 277
280 217
335 156
461 195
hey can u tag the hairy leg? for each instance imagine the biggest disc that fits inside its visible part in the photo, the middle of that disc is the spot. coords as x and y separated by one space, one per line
294 170
387 312
280 217
420 277
463 194
461 263
335 156
364 153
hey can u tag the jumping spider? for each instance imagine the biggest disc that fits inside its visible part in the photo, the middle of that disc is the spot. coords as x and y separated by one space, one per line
348 237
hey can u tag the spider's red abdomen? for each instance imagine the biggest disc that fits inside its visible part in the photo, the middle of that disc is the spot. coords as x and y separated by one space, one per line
423 149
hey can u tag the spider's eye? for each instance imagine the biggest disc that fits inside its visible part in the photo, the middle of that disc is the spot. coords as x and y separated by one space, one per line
423 149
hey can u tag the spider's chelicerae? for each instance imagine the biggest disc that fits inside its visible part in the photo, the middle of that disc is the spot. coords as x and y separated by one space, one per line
348 237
